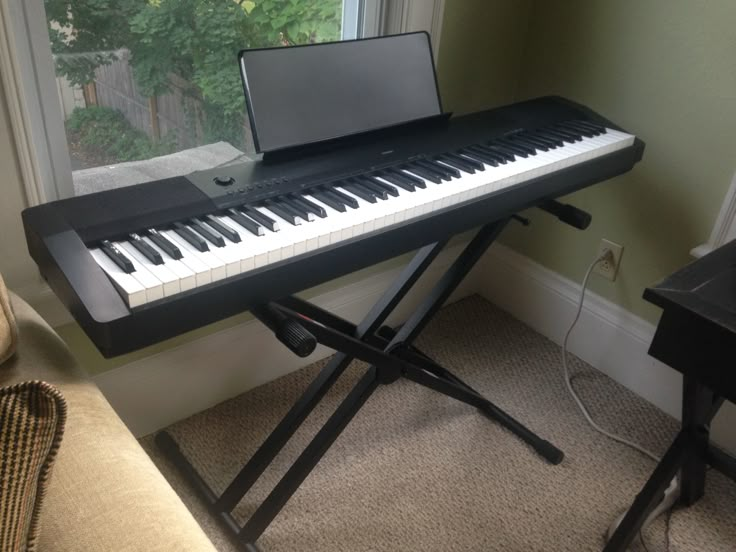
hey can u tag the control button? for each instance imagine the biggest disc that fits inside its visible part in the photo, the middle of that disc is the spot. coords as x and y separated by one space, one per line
224 180
241 190
230 192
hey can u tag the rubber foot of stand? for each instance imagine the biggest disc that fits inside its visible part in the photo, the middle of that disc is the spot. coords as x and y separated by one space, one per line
550 453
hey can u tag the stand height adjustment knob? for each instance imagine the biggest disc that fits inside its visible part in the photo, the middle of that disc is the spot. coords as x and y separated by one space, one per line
288 331
224 180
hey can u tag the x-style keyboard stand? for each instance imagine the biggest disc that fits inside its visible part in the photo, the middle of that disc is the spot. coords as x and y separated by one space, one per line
390 355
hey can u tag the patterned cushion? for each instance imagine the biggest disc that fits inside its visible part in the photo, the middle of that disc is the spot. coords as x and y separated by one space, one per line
8 330
32 416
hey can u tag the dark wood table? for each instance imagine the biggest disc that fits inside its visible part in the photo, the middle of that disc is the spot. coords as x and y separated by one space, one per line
696 336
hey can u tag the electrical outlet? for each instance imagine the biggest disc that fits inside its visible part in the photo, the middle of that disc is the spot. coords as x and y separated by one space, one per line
608 268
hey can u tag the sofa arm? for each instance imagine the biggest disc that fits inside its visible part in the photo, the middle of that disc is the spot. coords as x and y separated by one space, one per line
105 493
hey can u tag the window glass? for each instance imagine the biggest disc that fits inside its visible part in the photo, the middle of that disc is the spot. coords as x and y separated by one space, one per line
151 88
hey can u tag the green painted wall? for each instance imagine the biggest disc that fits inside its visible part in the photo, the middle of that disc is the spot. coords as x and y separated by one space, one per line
662 69
480 52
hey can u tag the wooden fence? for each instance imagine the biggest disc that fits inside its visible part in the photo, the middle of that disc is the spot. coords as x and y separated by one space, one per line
179 112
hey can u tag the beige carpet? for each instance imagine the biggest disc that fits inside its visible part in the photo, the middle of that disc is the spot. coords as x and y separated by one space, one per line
418 471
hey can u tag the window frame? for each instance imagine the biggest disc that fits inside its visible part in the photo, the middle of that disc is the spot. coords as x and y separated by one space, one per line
724 229
30 80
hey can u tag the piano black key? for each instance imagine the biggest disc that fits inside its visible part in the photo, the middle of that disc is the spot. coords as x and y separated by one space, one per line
557 134
555 139
261 219
422 172
479 165
283 212
372 188
522 141
575 135
436 174
500 150
310 205
359 191
165 244
480 156
248 223
146 250
535 141
397 180
296 208
117 256
460 163
206 233
447 173
389 189
345 198
499 157
510 147
418 182
226 231
546 140
570 125
328 199
599 129
188 234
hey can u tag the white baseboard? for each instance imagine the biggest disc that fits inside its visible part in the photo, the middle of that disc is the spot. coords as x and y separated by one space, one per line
607 337
153 392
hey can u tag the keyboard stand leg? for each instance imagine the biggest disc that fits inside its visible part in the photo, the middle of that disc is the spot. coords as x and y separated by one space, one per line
308 459
429 374
697 412
390 356
651 494
326 378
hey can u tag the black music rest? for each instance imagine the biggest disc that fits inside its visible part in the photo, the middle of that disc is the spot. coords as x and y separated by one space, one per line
696 336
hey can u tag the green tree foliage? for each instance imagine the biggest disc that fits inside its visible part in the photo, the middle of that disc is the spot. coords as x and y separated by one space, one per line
107 133
195 39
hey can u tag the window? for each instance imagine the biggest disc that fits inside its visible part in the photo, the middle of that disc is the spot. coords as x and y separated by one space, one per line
169 108
150 88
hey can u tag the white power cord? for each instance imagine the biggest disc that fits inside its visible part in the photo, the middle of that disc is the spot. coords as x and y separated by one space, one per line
568 380
673 490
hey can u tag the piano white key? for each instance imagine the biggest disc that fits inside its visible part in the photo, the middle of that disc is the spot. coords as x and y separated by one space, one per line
324 226
153 286
167 278
227 256
216 265
331 229
187 277
294 236
256 246
282 242
240 249
130 289
196 260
